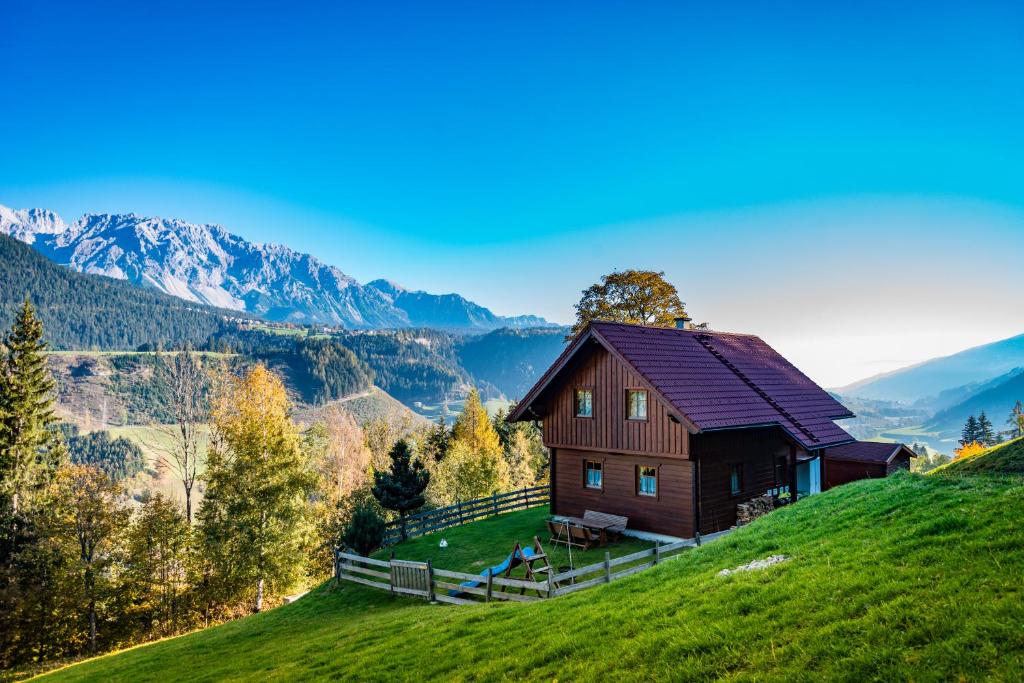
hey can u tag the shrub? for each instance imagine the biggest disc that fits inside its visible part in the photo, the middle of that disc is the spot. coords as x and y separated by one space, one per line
365 531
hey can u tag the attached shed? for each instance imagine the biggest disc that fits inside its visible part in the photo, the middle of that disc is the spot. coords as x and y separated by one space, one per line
864 460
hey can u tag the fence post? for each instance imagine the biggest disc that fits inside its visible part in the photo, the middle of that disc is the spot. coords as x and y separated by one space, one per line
391 573
494 501
458 504
607 567
490 585
657 551
430 582
526 497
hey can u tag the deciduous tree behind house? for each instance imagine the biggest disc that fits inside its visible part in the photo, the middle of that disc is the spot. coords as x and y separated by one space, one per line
641 297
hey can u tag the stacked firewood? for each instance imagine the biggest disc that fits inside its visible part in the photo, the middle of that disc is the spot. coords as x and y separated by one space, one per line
752 509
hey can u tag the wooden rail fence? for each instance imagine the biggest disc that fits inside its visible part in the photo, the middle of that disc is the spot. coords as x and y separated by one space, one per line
465 511
421 579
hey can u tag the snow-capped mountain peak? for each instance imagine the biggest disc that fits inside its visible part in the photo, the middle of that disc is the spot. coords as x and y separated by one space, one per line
207 264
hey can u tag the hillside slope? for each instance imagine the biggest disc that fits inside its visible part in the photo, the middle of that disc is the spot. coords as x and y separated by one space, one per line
996 401
875 588
89 311
932 377
1001 460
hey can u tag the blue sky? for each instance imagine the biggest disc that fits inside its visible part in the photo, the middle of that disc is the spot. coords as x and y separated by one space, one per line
845 181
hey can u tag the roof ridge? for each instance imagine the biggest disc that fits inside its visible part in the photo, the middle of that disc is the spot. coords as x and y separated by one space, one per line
705 341
673 329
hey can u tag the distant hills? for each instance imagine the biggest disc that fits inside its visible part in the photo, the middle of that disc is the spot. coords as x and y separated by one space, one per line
207 264
995 400
931 378
929 402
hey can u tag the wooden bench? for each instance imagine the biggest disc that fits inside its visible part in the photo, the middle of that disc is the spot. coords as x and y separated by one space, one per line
613 523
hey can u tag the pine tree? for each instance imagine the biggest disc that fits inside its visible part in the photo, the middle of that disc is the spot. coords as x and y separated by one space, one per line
31 448
986 433
1016 420
969 434
438 440
401 487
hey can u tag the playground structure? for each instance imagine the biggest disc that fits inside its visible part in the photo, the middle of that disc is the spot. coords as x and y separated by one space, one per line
533 558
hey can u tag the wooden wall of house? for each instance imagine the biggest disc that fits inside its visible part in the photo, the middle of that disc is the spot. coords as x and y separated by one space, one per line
609 429
838 472
671 512
757 450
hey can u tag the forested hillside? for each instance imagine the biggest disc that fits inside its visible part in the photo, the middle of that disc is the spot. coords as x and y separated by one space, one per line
511 360
90 311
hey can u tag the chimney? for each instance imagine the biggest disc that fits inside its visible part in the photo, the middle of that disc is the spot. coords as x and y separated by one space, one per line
683 322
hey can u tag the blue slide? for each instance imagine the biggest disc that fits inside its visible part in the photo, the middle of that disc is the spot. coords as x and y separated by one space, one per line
521 555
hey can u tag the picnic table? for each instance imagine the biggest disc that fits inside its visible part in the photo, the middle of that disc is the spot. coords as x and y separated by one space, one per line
599 526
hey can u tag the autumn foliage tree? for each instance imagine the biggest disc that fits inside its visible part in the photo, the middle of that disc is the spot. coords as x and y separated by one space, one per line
255 519
641 297
475 464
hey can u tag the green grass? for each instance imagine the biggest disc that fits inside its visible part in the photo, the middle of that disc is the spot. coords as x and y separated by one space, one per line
474 547
1004 459
906 578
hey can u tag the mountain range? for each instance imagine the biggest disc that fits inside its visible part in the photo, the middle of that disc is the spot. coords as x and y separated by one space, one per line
940 394
971 367
206 264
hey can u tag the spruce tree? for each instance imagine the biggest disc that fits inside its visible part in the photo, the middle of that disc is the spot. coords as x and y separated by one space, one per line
31 448
969 434
401 487
986 433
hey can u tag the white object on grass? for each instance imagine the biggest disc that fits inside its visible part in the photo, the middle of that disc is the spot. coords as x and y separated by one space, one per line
444 543
756 564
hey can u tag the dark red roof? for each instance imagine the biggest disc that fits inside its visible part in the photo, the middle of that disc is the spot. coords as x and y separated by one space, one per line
717 380
866 451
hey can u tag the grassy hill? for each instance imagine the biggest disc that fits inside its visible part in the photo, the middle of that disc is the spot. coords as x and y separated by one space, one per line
910 577
1004 459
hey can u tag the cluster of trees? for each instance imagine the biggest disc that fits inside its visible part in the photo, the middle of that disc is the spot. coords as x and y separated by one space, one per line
82 570
438 466
979 433
118 458
322 369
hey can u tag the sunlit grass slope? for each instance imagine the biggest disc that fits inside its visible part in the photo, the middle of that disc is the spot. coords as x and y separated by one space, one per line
1004 459
907 578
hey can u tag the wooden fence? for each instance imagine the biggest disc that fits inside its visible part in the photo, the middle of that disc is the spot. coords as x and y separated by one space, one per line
421 579
462 512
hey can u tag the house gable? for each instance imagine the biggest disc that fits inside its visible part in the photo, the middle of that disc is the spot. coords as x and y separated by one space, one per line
608 429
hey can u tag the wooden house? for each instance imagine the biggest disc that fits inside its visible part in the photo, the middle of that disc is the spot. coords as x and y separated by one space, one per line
675 427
